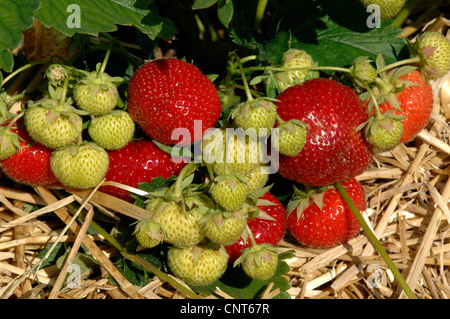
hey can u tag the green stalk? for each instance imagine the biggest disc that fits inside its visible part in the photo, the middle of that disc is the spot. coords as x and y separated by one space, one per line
399 63
244 79
186 171
260 9
105 62
311 68
23 68
374 99
250 235
373 239
405 12
62 100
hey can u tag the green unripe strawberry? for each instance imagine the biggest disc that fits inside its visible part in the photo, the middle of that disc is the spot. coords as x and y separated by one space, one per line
291 138
258 178
436 50
80 166
148 233
388 8
181 228
229 192
9 142
96 94
56 73
197 266
230 152
293 58
363 70
259 261
51 124
258 114
224 228
112 130
384 133
228 98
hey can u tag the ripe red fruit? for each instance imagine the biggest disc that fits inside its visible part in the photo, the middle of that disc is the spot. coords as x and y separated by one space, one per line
335 224
416 103
264 230
137 162
334 150
170 94
30 165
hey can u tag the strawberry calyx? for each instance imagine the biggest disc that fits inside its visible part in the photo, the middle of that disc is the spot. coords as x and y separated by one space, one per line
362 71
228 97
383 131
259 261
97 81
9 140
229 191
245 114
388 85
184 192
56 73
218 216
304 197
256 254
152 230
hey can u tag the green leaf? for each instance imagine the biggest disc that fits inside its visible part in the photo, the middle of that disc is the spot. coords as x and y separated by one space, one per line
335 36
276 47
156 183
225 11
6 60
203 4
92 17
15 17
249 39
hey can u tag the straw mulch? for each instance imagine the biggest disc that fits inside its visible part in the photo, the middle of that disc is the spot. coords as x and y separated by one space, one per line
407 190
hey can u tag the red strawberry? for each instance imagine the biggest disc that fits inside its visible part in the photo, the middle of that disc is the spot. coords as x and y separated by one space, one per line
137 162
170 94
264 230
415 101
30 164
334 150
332 225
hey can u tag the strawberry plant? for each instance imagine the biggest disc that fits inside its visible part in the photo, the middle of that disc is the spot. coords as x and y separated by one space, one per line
224 149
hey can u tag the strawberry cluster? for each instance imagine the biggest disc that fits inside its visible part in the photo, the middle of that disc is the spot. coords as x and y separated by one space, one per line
217 209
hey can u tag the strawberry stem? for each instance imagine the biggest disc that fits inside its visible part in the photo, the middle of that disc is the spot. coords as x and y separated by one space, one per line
26 66
260 9
244 79
187 170
374 240
250 235
405 12
374 99
104 63
15 119
399 63
62 100
311 68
